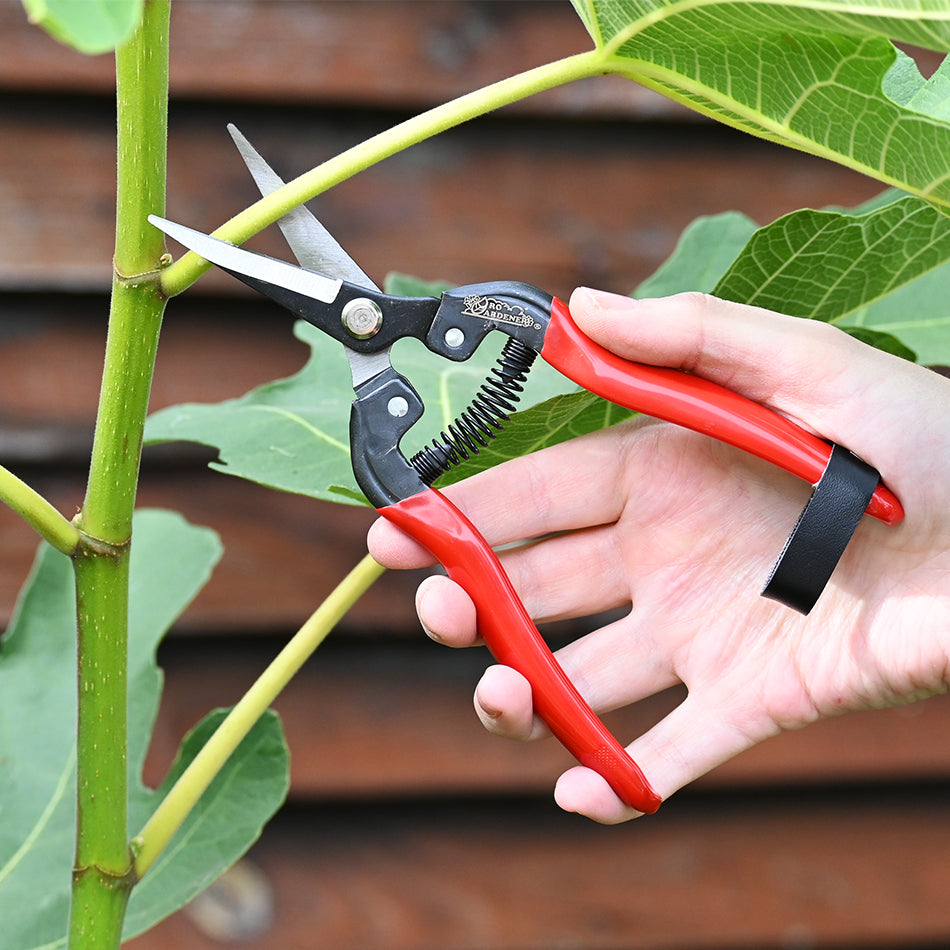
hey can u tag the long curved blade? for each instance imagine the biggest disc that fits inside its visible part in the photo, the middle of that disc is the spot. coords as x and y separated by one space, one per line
250 264
311 242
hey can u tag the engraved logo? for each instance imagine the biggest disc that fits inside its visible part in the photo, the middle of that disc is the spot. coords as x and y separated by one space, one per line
492 308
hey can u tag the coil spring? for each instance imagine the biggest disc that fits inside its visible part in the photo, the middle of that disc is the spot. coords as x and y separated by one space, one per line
482 420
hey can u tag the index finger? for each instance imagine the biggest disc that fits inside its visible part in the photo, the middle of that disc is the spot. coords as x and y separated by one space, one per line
575 484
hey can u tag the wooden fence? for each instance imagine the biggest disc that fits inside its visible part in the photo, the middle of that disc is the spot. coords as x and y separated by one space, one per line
407 827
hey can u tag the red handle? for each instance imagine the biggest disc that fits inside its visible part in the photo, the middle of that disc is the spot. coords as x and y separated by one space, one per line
513 639
698 404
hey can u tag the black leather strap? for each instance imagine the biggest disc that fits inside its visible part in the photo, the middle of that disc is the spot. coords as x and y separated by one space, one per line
823 531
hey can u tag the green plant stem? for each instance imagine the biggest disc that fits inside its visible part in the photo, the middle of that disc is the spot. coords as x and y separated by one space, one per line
38 512
168 817
104 872
137 303
187 269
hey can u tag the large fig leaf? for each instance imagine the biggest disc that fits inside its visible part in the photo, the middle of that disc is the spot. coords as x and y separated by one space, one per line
227 819
879 272
293 434
826 265
90 26
170 561
818 75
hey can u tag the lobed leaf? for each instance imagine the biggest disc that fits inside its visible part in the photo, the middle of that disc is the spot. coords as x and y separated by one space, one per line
293 434
826 265
818 75
228 818
170 562
90 26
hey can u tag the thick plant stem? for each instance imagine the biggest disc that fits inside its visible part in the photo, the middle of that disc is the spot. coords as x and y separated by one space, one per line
184 795
190 266
137 305
104 872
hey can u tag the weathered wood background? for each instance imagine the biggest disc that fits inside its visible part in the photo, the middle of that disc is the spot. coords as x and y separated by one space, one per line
408 828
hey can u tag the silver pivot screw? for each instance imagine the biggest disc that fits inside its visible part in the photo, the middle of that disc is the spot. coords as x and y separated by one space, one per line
397 407
454 338
362 318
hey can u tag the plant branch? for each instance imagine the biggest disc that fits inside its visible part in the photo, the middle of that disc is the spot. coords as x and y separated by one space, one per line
269 209
184 795
137 303
103 873
38 513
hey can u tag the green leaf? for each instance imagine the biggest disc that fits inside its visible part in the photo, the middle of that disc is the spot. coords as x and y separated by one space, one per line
555 420
825 265
227 819
293 434
917 314
90 26
818 75
882 341
702 255
170 562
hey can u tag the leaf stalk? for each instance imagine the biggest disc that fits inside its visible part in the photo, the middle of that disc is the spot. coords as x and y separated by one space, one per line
187 269
38 513
148 844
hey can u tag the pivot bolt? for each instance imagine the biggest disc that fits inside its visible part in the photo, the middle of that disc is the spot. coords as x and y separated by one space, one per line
398 407
454 338
362 318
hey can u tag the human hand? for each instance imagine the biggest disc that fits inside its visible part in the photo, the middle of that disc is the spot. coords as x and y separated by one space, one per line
683 529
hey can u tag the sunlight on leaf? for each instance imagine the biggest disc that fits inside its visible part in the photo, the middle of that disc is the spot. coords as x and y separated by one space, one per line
826 265
821 76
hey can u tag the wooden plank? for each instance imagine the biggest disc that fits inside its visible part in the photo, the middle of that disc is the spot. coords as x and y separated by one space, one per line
51 354
386 718
555 206
867 873
396 55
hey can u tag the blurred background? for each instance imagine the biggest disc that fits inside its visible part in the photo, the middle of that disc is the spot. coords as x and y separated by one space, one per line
407 828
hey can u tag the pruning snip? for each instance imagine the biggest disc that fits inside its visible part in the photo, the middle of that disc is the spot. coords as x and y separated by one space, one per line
330 291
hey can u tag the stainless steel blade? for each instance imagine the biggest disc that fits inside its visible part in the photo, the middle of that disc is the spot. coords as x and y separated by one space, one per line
315 248
268 269
310 241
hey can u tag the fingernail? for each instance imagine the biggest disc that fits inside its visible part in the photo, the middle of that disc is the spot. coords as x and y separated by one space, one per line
489 711
601 300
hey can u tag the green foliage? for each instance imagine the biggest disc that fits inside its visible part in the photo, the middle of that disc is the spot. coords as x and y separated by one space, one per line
826 265
293 434
821 75
90 26
222 826
171 560
704 252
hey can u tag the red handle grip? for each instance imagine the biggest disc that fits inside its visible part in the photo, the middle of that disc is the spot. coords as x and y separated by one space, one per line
513 639
698 404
